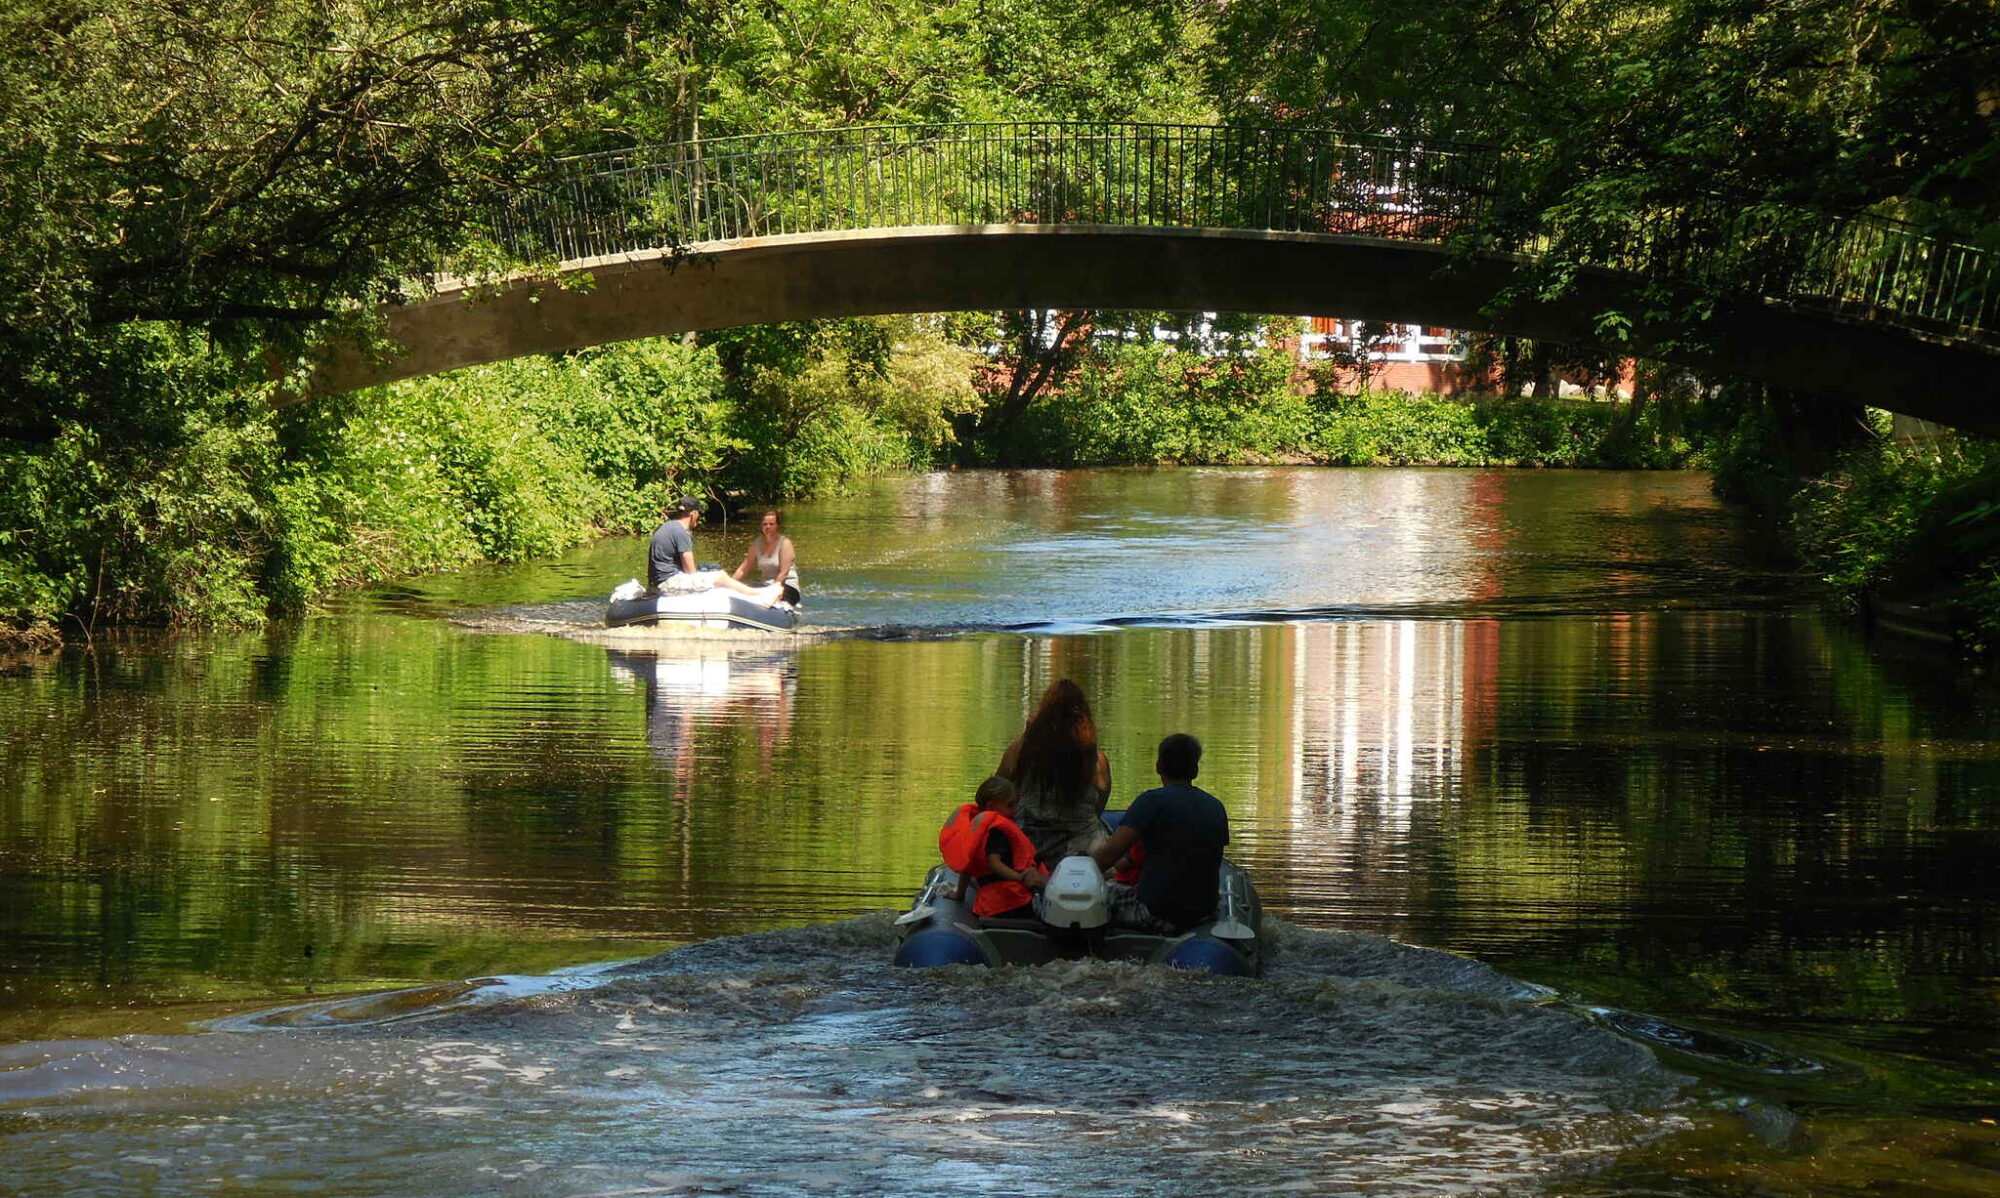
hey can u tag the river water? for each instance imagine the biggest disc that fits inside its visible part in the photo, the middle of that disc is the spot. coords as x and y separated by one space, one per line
1595 861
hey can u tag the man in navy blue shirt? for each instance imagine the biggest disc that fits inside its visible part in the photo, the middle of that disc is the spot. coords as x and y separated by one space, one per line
1182 829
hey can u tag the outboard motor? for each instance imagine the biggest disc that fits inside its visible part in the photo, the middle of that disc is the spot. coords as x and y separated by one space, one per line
1075 899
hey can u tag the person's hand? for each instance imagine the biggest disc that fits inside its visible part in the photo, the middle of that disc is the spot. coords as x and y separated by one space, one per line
1037 878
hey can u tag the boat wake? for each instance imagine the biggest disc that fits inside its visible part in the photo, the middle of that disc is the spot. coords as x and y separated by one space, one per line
584 620
799 1062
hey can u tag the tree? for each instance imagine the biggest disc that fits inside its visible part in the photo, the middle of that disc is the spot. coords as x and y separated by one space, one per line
1665 128
748 66
1037 349
252 171
1614 111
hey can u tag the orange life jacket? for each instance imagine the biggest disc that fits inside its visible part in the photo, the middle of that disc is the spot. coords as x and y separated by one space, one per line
959 850
962 842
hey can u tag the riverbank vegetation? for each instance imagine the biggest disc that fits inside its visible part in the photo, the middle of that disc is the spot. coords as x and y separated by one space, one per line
1717 112
1236 392
1911 524
251 509
202 193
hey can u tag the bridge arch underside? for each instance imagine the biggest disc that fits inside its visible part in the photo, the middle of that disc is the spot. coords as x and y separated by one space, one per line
958 268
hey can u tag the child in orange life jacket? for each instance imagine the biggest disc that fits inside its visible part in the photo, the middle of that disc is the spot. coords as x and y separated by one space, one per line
982 841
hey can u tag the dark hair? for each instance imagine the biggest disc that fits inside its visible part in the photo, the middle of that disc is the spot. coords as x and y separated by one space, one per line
1180 758
993 790
1059 745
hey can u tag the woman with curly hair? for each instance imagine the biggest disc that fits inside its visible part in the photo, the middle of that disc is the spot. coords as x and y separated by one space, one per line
1061 776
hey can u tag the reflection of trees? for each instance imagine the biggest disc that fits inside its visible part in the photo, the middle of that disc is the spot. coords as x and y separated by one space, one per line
1733 800
1741 811
1698 800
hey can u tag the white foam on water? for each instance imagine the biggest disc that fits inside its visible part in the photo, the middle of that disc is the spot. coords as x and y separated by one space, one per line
801 1062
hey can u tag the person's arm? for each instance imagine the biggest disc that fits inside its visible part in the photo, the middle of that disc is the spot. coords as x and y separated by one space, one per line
1031 877
1102 781
1107 854
784 558
687 562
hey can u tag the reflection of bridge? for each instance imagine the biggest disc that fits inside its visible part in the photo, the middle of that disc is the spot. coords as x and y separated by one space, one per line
846 222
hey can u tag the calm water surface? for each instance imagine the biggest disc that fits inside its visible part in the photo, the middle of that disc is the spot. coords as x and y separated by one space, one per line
1600 865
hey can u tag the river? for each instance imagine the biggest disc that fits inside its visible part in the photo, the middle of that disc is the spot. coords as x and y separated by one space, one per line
1596 863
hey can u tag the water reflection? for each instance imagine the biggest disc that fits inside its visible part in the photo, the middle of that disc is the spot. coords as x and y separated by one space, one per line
1381 714
1078 549
687 685
1595 763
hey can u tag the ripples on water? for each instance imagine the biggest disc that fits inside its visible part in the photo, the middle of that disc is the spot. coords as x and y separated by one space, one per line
1566 723
798 1062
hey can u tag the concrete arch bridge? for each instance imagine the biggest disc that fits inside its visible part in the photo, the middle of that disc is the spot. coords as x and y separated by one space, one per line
893 219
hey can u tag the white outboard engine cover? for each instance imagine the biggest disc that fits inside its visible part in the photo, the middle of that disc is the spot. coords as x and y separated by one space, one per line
1075 896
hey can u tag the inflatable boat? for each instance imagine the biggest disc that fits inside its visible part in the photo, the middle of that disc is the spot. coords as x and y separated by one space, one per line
1074 923
631 606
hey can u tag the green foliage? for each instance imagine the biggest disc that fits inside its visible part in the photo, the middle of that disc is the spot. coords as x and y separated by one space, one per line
1393 429
1390 429
817 404
358 499
1202 396
251 169
641 419
195 187
1657 131
154 518
1225 397
225 509
729 67
501 462
1916 522
1617 110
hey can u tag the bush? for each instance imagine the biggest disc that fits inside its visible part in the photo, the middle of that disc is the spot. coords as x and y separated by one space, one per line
818 407
503 462
145 506
1151 402
1917 522
1377 428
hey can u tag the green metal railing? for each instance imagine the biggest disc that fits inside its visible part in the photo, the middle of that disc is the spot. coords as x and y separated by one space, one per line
1196 176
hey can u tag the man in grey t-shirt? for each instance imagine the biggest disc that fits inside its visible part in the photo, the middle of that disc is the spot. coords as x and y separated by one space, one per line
670 559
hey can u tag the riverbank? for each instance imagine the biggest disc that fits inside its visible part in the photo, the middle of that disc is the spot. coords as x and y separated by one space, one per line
1908 535
232 512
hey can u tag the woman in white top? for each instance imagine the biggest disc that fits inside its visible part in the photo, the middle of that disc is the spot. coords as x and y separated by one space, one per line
772 555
